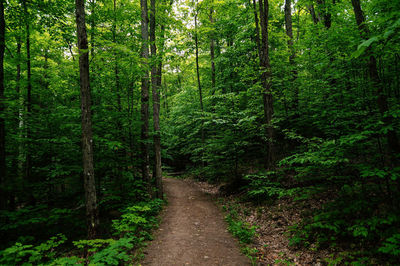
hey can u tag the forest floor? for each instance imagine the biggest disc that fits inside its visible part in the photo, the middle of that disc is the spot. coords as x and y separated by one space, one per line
193 231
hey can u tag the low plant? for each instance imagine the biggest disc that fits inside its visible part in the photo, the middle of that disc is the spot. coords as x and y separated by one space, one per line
20 253
242 230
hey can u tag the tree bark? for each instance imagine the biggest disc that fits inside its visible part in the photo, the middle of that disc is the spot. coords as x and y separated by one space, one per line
289 33
29 98
212 50
391 136
145 92
155 85
92 216
257 28
92 28
120 153
3 166
196 42
266 81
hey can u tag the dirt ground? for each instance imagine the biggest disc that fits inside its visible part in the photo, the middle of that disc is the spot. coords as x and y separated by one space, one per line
192 232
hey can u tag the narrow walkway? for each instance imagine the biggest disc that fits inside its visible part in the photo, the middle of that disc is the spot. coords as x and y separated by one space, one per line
192 231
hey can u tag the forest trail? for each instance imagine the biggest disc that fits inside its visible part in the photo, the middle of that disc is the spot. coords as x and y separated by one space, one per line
192 232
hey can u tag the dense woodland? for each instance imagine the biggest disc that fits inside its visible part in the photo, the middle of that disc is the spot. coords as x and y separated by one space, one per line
276 99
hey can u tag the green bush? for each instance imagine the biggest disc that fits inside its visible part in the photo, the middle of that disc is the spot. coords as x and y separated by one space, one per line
20 253
261 187
391 246
115 254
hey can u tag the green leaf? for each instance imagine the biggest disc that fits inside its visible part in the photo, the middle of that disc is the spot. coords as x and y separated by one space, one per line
363 46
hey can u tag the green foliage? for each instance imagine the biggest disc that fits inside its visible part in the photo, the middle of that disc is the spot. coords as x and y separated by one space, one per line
135 223
106 251
20 254
261 187
115 254
391 245
331 132
92 245
251 253
67 261
348 217
137 220
242 230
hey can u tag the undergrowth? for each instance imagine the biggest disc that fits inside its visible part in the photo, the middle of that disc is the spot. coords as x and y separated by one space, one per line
243 231
129 232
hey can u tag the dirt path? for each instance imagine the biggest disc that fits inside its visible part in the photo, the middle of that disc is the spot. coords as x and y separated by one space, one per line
192 231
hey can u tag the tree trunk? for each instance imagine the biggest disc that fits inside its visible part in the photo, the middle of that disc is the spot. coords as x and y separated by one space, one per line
92 28
257 28
382 102
120 153
145 92
266 81
155 85
29 99
21 153
3 166
87 138
312 13
196 42
289 33
212 51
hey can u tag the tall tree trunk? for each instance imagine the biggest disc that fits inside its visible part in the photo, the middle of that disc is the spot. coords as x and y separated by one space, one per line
155 85
21 151
145 92
196 42
120 153
92 28
257 28
3 166
391 136
289 33
92 216
266 81
212 50
116 69
28 162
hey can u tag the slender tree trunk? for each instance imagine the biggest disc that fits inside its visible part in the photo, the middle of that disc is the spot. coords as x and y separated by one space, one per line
266 81
29 99
120 153
3 166
391 136
165 88
92 216
314 17
155 85
289 33
212 50
145 92
257 28
116 69
196 42
21 152
92 28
